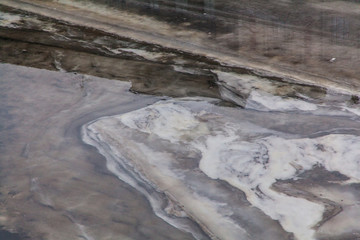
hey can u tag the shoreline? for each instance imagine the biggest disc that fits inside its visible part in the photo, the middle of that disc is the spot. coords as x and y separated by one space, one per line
63 12
193 138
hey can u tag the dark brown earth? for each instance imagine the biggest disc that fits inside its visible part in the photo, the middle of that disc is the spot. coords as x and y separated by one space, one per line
90 51
295 38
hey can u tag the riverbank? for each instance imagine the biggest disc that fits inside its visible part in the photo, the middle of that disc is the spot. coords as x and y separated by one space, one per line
289 51
253 122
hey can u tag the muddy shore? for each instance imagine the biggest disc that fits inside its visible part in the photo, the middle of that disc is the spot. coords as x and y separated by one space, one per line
295 49
66 67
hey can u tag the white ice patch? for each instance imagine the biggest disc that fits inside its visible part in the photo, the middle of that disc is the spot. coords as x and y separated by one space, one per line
152 56
8 20
253 165
177 120
262 93
261 100
245 82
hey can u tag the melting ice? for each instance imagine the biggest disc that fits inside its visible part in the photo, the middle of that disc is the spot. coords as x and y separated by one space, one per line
233 145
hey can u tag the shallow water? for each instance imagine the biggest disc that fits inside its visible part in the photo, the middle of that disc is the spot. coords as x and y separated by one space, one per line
216 163
10 236
54 186
280 163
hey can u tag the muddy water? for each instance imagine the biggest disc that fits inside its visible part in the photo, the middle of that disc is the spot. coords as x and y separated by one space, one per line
223 174
55 187
52 185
